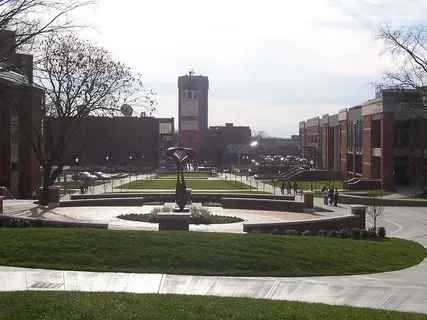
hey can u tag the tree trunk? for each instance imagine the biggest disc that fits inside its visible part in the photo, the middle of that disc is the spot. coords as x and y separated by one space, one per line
48 180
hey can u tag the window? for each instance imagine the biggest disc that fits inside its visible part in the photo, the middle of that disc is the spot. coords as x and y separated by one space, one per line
184 94
315 138
190 95
195 94
165 128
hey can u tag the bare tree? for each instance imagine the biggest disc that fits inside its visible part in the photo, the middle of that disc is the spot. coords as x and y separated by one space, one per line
80 80
375 209
105 186
260 134
31 19
407 46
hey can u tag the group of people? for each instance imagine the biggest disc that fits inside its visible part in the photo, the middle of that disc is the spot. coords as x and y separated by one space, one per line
330 196
289 186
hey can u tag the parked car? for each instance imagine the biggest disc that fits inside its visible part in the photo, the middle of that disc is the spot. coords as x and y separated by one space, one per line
101 176
84 176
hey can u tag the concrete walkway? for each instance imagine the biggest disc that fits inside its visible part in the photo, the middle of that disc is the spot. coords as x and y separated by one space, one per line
404 290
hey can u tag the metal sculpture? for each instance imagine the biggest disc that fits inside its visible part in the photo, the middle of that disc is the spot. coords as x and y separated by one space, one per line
181 156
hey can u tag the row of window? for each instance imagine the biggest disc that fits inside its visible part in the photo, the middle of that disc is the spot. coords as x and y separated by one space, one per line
355 131
189 94
312 138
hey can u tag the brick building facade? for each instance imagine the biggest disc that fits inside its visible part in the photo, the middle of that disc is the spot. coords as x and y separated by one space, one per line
134 141
21 104
380 139
192 109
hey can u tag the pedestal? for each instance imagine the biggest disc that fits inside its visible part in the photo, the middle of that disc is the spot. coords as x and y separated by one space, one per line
1 203
54 195
359 210
308 202
174 221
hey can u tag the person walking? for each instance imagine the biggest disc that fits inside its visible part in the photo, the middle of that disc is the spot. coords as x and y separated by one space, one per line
282 187
331 196
289 187
336 195
295 187
325 196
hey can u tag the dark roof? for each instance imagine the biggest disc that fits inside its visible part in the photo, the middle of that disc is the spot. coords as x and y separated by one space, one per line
17 79
239 148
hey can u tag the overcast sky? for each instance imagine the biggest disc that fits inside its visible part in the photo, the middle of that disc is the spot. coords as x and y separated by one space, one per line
270 63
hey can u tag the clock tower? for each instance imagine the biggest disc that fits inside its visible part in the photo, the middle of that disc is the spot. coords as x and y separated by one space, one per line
192 109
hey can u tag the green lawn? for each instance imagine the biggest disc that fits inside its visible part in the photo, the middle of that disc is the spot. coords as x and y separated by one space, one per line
120 306
202 253
198 184
189 175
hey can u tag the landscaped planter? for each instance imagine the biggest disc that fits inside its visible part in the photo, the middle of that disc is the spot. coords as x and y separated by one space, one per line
174 221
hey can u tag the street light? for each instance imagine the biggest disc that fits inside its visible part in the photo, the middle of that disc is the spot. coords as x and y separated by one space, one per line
130 173
311 168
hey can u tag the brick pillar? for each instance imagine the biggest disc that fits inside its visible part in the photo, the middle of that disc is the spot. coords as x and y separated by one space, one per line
367 147
360 211
54 195
1 203
308 202
387 151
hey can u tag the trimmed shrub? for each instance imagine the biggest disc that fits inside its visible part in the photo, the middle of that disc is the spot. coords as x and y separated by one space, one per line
381 232
291 232
274 231
333 233
364 234
355 233
306 233
256 231
13 223
344 233
166 209
372 233
322 233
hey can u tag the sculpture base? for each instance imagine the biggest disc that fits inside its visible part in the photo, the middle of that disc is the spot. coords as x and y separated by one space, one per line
174 221
178 209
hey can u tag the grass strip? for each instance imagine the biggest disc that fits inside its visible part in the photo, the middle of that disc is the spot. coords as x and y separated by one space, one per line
202 253
118 306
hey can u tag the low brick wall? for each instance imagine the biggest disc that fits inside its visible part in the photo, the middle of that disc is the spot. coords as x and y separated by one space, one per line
258 203
356 220
352 199
169 197
46 223
100 202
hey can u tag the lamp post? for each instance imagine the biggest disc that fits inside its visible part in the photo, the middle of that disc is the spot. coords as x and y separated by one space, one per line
143 157
130 173
311 168
108 171
77 170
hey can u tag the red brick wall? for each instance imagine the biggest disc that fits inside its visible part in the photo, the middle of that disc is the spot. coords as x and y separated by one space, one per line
325 146
343 150
387 150
314 226
367 147
118 138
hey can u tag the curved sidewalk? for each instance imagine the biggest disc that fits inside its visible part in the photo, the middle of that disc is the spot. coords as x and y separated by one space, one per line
404 290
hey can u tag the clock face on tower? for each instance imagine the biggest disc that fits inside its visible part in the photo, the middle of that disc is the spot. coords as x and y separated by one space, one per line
189 107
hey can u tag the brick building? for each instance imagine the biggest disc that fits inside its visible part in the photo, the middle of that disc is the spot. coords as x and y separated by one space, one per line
21 104
126 141
192 109
381 138
221 144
